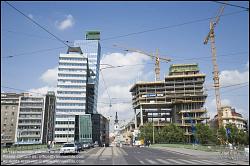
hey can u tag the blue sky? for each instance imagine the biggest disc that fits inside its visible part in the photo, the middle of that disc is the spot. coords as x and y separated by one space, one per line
120 18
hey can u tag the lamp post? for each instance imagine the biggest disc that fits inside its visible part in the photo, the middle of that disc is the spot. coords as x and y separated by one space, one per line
153 129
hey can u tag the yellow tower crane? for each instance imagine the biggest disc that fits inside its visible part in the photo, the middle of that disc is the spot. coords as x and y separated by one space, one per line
156 56
211 37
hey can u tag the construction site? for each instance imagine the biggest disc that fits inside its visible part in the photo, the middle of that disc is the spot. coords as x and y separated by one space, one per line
179 99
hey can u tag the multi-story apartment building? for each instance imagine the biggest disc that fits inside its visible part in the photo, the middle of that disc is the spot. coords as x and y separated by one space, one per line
9 115
92 49
178 99
30 121
71 94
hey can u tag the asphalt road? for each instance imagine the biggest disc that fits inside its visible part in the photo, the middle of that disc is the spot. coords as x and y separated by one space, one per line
116 156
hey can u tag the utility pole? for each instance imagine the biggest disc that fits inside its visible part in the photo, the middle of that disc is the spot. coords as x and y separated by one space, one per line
211 37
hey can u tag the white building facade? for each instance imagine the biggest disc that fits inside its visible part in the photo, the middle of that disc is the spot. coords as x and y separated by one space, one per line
30 120
71 93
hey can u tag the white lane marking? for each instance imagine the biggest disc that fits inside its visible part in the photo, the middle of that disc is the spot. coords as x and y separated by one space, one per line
123 152
164 161
151 161
141 162
175 161
189 162
212 162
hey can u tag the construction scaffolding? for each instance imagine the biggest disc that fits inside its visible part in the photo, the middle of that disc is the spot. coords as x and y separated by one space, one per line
178 99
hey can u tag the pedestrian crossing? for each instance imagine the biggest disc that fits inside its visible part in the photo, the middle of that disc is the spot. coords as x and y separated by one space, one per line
116 155
169 161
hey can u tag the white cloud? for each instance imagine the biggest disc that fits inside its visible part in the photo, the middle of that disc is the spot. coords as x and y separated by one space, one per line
31 16
68 22
50 77
211 106
42 91
229 77
119 81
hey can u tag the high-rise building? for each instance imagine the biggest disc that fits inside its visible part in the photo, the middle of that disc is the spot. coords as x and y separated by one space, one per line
49 118
92 49
71 94
9 116
30 120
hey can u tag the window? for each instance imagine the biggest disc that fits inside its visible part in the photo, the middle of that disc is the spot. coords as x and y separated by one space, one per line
13 107
6 107
13 113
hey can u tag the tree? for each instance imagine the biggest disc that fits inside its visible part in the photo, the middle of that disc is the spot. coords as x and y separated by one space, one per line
204 134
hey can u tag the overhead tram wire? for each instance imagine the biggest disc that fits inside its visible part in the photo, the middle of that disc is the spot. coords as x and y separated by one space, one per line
37 23
170 26
179 59
32 35
159 28
106 87
232 5
37 51
22 90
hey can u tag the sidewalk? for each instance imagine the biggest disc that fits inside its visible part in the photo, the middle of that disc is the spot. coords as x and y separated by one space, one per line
199 154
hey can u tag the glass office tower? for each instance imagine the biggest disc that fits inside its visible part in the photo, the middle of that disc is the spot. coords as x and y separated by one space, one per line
91 47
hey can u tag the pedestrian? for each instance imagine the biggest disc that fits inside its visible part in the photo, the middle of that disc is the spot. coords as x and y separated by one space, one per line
149 143
49 146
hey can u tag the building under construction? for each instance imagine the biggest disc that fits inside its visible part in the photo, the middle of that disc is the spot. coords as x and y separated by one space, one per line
178 99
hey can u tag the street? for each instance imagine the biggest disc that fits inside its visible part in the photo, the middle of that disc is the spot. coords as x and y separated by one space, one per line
116 156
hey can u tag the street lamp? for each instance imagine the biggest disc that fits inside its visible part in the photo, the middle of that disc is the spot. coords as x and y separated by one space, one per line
153 129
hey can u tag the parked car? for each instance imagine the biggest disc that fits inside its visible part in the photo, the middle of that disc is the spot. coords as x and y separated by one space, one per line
79 146
96 144
69 148
86 145
92 145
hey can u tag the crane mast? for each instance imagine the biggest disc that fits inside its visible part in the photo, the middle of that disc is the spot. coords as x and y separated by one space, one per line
211 37
157 66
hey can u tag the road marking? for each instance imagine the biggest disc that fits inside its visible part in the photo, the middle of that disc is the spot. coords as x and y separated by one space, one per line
212 162
175 161
190 162
124 152
141 162
151 161
164 161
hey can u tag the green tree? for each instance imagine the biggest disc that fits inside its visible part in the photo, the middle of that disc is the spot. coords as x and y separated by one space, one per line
204 134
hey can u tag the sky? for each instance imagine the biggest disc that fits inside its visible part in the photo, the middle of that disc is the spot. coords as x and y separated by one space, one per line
34 70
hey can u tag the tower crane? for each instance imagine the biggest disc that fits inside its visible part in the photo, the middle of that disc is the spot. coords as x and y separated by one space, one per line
156 56
211 37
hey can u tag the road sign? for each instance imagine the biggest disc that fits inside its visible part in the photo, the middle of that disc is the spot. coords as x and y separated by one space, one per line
228 131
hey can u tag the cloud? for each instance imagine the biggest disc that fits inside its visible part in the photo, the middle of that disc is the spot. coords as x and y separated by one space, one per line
50 77
42 91
229 77
68 22
119 81
31 16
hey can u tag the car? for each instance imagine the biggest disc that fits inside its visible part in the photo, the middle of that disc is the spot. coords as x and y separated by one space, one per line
86 145
69 148
79 146
92 145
